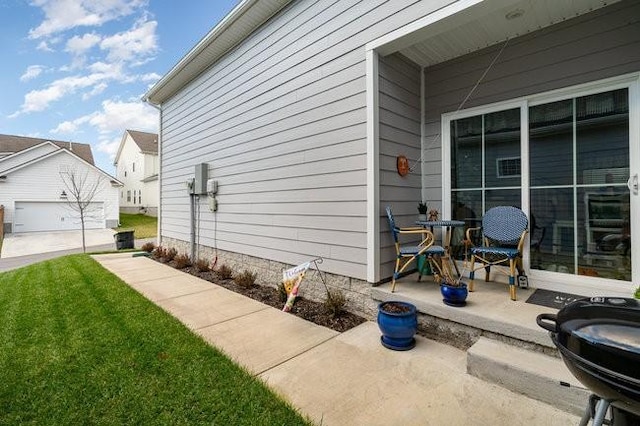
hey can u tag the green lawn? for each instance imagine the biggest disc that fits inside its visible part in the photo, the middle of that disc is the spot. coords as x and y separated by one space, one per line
78 346
144 226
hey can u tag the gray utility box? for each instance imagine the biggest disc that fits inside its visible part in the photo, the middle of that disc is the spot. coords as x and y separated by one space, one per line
201 175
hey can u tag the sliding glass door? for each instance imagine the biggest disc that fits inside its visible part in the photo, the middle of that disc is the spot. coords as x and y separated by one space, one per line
579 167
572 184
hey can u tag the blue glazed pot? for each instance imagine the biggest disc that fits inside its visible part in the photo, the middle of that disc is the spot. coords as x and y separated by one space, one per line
454 296
398 328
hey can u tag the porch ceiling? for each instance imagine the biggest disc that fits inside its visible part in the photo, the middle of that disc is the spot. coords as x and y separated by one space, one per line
484 24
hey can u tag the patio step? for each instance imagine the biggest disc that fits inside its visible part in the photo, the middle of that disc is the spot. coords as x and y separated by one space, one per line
533 374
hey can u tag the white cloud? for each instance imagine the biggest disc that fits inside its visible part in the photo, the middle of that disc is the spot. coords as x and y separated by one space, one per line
39 100
134 45
97 89
152 77
116 116
32 72
61 15
79 45
65 127
110 146
44 46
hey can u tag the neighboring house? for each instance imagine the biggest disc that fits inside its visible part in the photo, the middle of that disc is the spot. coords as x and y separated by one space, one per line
299 110
137 168
34 194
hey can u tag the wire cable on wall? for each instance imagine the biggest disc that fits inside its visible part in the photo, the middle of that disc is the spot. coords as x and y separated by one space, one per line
464 101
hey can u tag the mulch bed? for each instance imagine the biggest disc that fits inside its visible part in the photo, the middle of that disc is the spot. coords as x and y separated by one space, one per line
303 308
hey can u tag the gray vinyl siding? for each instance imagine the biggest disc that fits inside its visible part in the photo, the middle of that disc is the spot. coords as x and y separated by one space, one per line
399 101
594 46
281 122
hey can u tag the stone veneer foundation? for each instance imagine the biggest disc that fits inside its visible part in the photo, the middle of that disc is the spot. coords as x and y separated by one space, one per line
269 272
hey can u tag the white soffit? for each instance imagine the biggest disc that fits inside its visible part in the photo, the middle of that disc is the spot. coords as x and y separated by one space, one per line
484 24
245 18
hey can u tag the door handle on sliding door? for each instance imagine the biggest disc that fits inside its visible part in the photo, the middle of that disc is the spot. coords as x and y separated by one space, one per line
632 183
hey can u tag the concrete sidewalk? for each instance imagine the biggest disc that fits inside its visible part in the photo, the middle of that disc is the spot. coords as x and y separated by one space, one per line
334 378
30 243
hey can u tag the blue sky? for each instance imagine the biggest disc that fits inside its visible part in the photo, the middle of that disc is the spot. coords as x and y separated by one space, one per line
75 70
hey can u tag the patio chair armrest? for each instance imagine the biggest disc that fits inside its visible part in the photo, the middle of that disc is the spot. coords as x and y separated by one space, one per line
411 228
470 231
428 240
412 231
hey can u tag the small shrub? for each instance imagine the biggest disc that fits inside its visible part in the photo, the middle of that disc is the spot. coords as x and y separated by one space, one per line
224 272
282 293
159 252
148 247
170 254
182 261
246 279
335 302
202 265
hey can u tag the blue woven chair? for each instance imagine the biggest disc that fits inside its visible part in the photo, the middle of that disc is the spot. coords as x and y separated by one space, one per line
504 229
406 254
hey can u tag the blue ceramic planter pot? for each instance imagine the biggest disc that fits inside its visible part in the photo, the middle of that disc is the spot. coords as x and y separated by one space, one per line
398 328
454 296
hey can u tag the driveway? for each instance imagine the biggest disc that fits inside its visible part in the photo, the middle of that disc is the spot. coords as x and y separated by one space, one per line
30 243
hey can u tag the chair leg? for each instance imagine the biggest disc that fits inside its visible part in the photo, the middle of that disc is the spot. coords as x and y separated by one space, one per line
472 273
487 273
395 274
512 278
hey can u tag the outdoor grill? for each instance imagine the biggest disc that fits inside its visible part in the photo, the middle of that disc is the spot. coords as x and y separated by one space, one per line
599 341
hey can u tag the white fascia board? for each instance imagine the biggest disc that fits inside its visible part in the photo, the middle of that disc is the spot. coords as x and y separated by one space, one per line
120 147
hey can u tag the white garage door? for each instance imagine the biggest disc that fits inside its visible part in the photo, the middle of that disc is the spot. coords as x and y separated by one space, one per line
33 216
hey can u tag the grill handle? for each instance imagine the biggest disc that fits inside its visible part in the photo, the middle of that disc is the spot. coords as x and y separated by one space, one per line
542 321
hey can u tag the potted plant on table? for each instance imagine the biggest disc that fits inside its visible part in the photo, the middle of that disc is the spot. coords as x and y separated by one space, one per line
398 322
422 211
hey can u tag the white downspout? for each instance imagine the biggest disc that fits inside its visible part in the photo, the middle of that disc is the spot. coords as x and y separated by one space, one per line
373 169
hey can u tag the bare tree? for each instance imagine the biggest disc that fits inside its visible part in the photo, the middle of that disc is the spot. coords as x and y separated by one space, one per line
81 191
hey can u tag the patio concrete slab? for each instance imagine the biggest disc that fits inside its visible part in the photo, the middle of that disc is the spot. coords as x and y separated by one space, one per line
28 243
352 379
210 307
265 339
488 307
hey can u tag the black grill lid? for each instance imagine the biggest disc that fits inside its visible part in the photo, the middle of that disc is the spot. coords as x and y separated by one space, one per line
605 331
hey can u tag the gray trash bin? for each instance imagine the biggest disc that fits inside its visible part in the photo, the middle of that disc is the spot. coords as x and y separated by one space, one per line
124 240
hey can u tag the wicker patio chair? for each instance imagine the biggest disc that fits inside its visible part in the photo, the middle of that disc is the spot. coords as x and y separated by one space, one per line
406 254
503 230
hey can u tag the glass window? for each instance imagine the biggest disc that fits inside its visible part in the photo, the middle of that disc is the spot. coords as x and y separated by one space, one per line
485 162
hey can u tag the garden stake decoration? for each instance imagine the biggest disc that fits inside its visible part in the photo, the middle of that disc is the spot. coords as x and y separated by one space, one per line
292 278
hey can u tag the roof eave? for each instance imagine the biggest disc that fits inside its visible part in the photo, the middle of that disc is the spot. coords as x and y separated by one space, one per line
188 68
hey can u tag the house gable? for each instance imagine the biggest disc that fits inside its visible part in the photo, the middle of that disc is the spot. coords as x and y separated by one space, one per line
137 167
59 151
40 181
27 155
10 144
